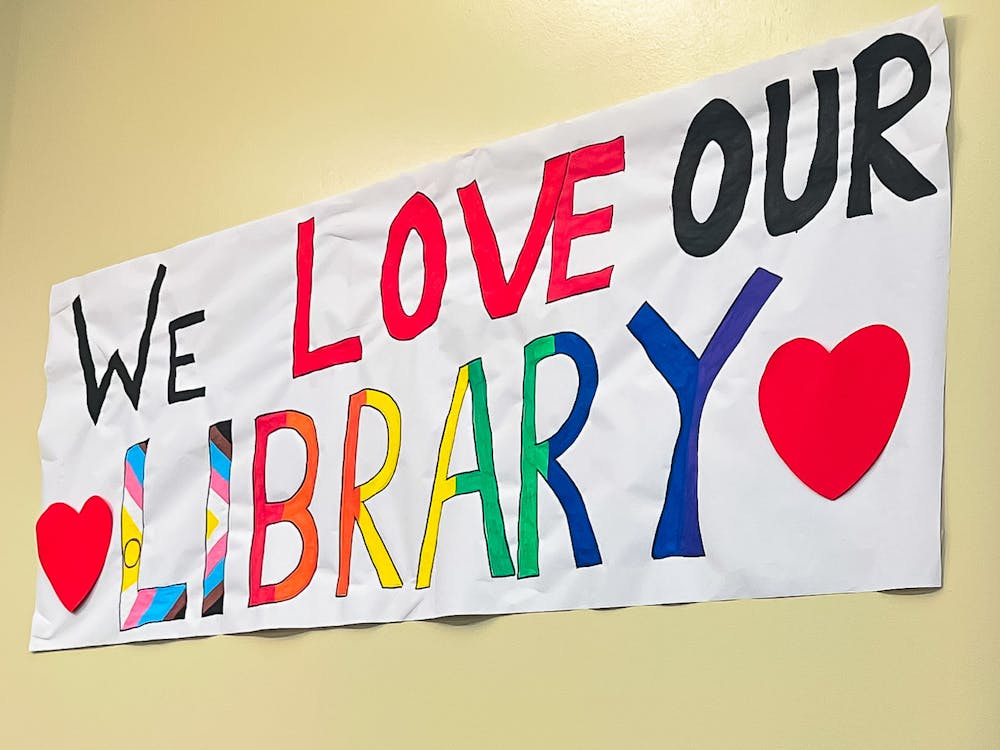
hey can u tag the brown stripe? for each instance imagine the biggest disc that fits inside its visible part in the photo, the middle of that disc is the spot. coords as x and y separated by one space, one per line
177 611
212 597
220 441
215 608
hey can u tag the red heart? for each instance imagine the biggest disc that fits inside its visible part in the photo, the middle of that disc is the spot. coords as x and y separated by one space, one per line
830 414
72 547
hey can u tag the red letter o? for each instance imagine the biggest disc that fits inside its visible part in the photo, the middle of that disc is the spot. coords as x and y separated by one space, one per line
420 215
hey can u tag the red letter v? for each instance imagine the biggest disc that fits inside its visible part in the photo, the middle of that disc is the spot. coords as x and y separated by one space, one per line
501 296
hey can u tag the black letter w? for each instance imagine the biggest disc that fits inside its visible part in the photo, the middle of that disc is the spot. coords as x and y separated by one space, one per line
131 383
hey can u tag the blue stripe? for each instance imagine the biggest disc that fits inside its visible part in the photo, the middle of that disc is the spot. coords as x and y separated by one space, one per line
218 461
136 458
164 599
215 576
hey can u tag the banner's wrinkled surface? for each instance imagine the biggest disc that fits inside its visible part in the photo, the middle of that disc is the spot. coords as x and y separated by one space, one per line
687 348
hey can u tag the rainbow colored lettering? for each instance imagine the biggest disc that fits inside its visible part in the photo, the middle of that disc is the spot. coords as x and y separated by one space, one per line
220 457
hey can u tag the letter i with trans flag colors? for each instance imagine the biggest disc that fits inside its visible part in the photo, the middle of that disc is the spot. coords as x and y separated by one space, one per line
139 606
220 456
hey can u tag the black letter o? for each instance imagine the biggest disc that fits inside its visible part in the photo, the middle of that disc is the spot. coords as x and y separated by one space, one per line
717 121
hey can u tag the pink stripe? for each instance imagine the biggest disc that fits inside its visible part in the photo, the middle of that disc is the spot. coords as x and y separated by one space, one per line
132 485
219 485
217 553
142 602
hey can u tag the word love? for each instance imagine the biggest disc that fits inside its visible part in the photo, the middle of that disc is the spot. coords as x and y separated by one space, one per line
677 534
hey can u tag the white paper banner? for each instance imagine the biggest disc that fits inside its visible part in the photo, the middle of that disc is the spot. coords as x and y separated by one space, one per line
687 348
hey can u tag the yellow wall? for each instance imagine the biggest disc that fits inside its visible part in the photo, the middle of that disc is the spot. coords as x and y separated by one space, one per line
128 127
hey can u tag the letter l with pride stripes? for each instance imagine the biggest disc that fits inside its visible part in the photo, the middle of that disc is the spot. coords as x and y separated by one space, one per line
140 606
